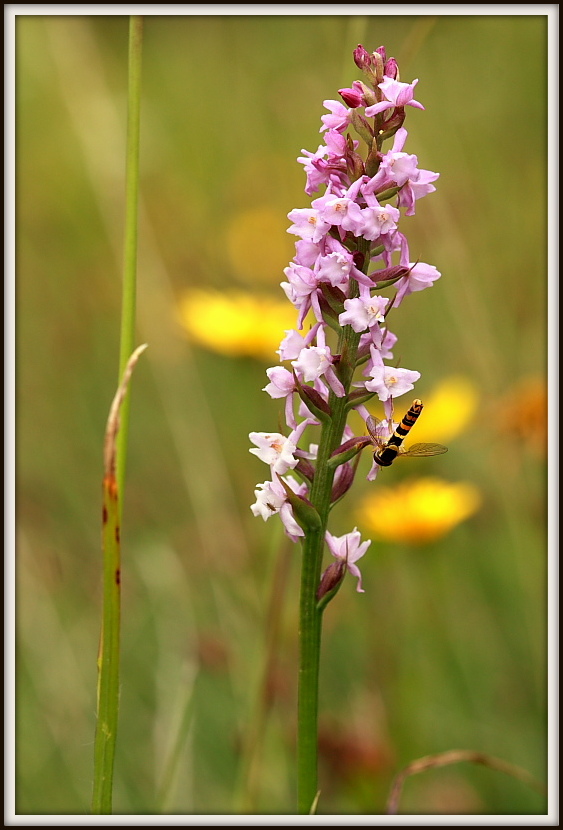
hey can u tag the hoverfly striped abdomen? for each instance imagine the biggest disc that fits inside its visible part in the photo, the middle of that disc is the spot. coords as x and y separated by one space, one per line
387 454
386 451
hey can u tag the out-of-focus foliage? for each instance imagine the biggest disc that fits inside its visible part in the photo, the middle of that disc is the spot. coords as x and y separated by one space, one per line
447 647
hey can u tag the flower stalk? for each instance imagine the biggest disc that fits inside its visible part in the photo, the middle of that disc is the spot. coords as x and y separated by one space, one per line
310 611
347 232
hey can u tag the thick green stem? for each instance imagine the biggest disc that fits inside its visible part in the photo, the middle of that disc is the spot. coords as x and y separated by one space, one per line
310 622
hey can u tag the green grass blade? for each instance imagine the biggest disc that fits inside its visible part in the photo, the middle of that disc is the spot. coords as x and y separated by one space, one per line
108 656
128 306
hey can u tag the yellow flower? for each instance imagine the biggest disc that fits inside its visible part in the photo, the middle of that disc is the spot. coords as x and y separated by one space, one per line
235 323
448 409
262 230
418 511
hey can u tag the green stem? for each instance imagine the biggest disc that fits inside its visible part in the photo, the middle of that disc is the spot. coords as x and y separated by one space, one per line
128 305
109 653
310 617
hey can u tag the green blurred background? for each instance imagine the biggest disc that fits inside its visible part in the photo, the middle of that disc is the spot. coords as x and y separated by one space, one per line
447 647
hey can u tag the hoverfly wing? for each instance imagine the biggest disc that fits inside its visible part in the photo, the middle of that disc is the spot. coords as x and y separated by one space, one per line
372 424
423 450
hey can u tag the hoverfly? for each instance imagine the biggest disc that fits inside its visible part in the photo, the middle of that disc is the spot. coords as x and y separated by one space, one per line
387 449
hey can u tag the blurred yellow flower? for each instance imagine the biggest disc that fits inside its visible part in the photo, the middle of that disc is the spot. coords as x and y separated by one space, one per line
236 323
418 511
448 409
263 231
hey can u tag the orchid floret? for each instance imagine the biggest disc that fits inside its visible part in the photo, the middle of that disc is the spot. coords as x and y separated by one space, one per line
348 549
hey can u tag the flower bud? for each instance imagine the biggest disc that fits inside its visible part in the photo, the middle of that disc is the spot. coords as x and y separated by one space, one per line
371 65
358 95
343 480
382 52
392 69
352 97
362 58
331 580
305 467
377 63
